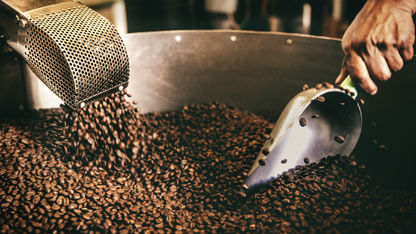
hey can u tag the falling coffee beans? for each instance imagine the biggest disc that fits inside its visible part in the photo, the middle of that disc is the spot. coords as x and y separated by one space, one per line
320 99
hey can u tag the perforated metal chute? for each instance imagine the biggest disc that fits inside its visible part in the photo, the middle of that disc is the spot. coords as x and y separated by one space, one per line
75 51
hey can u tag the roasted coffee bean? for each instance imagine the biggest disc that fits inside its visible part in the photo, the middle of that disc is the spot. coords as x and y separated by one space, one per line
314 116
306 160
72 206
318 86
265 152
328 85
262 162
302 122
320 99
339 139
305 87
108 169
284 161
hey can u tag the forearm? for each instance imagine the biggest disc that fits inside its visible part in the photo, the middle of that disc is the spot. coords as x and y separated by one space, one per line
407 5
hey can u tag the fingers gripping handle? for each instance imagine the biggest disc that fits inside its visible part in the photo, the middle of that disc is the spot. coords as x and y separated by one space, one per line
349 84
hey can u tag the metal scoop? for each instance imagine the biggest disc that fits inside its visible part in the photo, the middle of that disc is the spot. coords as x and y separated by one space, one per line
75 51
316 123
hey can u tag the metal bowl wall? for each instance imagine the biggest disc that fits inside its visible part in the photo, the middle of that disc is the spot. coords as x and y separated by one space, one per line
261 72
256 71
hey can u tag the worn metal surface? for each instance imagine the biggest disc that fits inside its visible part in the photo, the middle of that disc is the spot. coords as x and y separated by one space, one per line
257 71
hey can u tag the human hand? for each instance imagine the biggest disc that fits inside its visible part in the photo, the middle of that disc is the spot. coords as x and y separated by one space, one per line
377 42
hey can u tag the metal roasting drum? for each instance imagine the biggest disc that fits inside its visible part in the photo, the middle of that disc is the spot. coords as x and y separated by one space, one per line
73 50
259 72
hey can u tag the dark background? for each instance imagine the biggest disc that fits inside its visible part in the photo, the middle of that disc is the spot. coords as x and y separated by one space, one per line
155 15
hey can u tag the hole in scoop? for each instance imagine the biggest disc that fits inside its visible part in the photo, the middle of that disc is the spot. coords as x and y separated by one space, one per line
339 139
302 122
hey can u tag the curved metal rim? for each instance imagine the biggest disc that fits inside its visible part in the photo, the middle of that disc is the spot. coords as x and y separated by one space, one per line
237 32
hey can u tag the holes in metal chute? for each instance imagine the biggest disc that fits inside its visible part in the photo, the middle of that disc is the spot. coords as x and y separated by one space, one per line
60 67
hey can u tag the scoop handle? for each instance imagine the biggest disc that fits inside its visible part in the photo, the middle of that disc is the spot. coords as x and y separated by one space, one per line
349 84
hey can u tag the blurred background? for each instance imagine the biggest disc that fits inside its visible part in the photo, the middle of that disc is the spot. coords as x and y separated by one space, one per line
315 17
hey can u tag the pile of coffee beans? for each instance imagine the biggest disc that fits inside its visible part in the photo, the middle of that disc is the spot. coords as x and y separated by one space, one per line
108 169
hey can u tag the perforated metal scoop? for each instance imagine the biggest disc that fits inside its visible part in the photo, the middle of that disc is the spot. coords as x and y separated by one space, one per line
75 51
316 123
